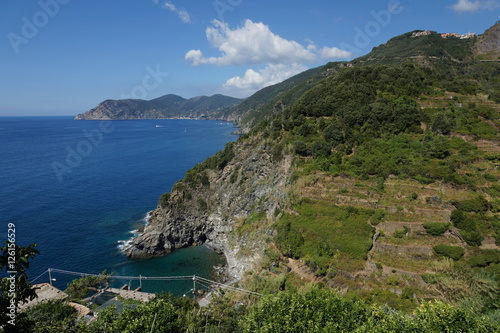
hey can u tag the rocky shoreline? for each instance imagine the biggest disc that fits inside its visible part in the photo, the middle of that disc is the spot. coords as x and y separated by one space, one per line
208 208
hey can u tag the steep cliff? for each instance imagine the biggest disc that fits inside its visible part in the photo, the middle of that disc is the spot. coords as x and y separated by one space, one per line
488 44
215 200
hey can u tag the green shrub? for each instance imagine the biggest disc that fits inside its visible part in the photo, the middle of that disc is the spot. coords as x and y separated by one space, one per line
224 157
288 240
495 205
473 238
496 229
333 134
204 179
377 216
401 233
463 221
438 147
380 184
234 175
491 178
163 200
430 278
80 288
493 190
477 205
306 129
321 149
47 316
423 180
442 123
322 310
300 148
485 258
202 204
277 152
436 228
217 161
321 230
453 252
408 293
315 311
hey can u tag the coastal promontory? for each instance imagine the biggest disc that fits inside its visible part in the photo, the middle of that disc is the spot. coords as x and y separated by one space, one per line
165 107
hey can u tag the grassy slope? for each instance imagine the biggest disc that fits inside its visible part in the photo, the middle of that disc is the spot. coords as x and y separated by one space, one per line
338 206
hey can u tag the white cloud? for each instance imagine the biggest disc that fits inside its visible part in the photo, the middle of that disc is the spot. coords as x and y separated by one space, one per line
269 75
334 53
463 6
254 44
182 13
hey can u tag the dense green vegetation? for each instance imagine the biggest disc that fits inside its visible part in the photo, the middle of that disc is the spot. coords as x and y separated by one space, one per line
372 111
436 228
471 217
453 252
49 316
81 288
325 311
314 310
326 236
163 200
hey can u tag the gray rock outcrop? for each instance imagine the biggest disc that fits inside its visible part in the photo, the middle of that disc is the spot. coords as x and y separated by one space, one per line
205 207
489 43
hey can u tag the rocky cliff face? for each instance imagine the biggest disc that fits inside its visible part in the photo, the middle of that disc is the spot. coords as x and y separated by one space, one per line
209 207
489 42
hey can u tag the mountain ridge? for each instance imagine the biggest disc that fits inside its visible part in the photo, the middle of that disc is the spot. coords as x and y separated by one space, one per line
167 106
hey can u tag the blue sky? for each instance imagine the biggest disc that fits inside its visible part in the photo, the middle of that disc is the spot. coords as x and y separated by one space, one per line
63 57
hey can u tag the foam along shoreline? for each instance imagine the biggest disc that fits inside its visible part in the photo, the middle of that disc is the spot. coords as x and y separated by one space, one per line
124 244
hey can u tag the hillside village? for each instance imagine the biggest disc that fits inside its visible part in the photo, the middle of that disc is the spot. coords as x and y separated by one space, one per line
444 35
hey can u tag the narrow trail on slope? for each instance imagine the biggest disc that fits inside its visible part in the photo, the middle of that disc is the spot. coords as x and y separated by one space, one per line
301 269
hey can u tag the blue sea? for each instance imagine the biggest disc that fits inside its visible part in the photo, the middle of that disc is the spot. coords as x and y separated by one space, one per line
79 188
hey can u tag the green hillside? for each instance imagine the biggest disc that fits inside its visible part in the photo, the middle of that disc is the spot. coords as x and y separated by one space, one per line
394 192
432 45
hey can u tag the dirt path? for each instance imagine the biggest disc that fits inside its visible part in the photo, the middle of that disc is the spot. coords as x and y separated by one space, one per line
301 270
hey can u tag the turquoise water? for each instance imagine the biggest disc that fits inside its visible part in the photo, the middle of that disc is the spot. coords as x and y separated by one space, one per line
78 189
